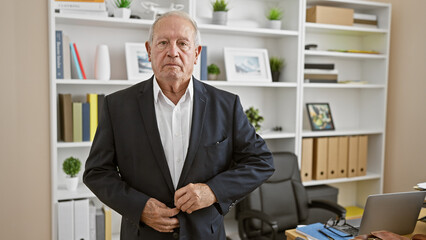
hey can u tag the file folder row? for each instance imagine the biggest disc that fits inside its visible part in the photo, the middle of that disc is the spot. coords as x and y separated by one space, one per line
334 157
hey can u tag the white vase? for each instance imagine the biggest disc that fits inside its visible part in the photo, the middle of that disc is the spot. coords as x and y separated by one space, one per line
274 24
212 76
220 17
72 183
102 63
122 13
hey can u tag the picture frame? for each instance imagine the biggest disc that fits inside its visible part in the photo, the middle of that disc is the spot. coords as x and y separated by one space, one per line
247 65
320 116
137 62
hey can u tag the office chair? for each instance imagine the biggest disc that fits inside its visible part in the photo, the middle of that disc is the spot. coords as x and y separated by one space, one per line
279 204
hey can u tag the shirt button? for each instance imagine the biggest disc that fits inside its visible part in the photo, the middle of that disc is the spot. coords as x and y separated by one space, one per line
176 235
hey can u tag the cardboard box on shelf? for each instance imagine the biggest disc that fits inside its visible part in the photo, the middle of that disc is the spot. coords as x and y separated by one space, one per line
330 15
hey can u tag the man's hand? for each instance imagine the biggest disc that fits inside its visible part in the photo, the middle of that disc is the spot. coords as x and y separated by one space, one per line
193 197
160 217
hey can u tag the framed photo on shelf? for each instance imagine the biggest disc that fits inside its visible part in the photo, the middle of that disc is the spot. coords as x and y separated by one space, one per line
247 64
137 62
320 116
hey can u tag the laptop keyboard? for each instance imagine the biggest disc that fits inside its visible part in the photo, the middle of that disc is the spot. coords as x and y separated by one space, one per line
348 229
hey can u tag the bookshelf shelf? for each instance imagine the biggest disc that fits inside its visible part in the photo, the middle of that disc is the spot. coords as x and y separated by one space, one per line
74 144
346 85
344 55
369 176
252 84
259 32
81 192
345 30
348 132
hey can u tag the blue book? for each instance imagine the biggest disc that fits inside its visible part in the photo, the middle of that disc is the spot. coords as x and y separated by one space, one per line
203 61
59 55
75 66
313 231
86 121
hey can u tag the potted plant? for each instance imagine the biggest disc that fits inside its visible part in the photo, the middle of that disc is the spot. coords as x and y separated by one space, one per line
213 71
276 65
71 167
254 118
123 8
220 12
274 16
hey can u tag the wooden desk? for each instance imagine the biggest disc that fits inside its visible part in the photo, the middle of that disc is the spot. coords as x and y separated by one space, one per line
420 228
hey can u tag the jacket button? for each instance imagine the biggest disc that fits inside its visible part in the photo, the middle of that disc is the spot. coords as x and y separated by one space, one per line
176 235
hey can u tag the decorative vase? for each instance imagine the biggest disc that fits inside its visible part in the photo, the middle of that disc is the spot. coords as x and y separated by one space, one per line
274 24
220 17
122 13
212 76
276 76
72 183
102 63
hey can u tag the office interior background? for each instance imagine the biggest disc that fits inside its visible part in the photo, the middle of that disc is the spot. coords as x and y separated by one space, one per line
25 202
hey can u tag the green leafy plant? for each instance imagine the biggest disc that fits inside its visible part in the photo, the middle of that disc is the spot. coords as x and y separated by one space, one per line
71 166
213 69
254 118
276 64
123 3
220 5
275 14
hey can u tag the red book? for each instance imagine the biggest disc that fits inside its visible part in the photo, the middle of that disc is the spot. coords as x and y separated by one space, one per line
79 61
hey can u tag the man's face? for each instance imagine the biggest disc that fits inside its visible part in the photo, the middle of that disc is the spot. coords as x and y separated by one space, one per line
173 52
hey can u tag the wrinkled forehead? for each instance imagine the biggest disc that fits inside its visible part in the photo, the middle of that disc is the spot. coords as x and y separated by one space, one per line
169 22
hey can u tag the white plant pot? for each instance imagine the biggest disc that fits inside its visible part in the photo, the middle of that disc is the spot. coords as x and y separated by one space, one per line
122 13
212 76
102 63
220 17
72 183
274 24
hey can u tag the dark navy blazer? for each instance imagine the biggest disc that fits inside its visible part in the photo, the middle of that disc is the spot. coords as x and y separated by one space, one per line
127 166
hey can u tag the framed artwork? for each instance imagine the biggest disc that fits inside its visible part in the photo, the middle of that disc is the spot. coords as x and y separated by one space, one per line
320 116
247 64
137 63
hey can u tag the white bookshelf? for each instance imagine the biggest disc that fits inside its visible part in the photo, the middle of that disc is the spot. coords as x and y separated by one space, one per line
357 109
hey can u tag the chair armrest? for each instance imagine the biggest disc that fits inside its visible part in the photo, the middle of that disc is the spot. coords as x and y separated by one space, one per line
330 206
249 214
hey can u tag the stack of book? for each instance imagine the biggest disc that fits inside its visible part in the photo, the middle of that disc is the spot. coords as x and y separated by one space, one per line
320 73
68 60
365 20
80 219
91 8
78 120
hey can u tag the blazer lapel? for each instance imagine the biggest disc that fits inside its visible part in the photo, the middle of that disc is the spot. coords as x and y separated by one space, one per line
198 114
147 110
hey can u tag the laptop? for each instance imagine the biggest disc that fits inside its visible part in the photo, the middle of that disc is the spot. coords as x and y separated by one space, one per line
394 212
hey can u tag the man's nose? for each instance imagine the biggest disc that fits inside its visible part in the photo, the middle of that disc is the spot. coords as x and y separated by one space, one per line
173 50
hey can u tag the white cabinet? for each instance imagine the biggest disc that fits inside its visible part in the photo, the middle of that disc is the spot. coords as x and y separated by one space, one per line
356 109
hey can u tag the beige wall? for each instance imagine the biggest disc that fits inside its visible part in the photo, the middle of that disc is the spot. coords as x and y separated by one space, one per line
24 120
405 158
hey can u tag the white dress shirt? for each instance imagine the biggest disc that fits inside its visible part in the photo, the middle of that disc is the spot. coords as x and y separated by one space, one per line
174 124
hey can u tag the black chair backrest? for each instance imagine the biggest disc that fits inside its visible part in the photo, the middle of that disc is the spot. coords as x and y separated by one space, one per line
282 196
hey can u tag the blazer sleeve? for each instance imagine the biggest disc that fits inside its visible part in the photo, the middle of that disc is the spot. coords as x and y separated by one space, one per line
252 163
102 175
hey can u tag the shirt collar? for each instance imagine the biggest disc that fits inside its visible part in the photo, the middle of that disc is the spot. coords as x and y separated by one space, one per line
189 90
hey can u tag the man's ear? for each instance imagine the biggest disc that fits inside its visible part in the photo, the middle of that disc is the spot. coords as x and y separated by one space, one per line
197 53
148 50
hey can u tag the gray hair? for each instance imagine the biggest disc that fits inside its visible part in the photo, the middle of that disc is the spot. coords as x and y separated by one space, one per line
184 15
